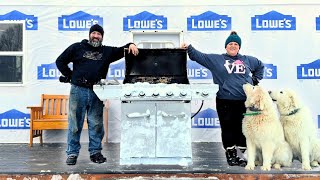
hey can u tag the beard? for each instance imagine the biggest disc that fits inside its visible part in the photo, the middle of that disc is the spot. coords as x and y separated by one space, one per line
95 43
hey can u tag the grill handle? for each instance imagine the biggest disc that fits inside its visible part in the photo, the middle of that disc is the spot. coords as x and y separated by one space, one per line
139 115
182 115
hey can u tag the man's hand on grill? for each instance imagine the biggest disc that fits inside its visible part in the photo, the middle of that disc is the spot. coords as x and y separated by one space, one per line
133 49
184 46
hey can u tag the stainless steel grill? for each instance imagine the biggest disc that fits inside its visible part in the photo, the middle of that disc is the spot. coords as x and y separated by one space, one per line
155 107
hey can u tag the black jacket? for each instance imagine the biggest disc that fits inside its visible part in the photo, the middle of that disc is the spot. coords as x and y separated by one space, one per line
90 64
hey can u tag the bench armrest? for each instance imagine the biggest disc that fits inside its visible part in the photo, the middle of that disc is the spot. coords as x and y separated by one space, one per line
31 107
36 112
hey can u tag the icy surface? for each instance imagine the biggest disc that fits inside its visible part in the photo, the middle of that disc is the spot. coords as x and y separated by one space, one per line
155 132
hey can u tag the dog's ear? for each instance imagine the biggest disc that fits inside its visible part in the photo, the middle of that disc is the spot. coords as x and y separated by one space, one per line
293 98
260 98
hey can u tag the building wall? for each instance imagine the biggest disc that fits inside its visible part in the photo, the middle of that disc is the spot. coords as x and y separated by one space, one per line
284 35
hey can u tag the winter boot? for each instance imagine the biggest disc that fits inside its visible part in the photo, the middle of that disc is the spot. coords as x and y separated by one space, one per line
98 158
241 161
232 158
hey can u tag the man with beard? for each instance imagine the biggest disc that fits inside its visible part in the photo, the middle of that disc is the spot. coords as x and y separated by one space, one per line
90 61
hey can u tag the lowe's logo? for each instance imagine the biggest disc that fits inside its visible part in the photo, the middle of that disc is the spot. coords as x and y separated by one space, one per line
197 71
144 21
116 70
14 119
209 21
270 71
318 23
79 21
206 119
273 21
31 20
49 71
309 71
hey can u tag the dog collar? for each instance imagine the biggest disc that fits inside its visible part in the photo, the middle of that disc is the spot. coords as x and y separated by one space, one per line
254 111
292 112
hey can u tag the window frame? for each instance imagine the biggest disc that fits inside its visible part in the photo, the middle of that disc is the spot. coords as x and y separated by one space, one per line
178 34
22 53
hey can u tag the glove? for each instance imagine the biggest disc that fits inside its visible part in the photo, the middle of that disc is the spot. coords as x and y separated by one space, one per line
255 81
65 79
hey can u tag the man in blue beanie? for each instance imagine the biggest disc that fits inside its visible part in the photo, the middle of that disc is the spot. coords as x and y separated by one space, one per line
230 71
91 62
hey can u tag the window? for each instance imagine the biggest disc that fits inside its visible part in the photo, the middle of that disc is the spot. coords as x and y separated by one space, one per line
154 45
157 39
11 52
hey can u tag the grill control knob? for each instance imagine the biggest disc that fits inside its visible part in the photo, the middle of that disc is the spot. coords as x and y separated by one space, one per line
127 94
155 94
169 93
141 94
183 94
204 94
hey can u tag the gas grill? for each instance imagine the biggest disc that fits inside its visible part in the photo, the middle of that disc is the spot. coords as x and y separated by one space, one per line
155 107
157 66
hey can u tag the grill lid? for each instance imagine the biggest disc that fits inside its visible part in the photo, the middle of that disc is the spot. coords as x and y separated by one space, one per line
156 66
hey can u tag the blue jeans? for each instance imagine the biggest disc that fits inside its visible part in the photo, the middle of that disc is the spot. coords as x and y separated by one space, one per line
84 101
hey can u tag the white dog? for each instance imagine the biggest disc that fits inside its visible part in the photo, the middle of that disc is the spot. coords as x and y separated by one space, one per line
263 131
299 128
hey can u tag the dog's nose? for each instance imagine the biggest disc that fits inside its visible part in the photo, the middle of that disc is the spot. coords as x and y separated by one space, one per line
269 92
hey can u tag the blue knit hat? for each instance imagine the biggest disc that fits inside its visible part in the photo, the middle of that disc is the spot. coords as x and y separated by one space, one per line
233 38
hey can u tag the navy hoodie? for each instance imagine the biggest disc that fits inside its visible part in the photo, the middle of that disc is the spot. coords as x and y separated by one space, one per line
229 72
90 64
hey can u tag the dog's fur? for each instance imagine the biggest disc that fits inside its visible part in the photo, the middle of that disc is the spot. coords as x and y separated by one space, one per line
263 131
299 128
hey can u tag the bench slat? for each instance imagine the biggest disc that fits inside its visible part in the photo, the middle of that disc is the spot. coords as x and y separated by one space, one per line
47 125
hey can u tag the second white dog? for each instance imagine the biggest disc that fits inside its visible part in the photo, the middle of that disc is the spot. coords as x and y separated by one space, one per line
299 128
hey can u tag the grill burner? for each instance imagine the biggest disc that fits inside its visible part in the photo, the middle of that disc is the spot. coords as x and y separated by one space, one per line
156 80
152 80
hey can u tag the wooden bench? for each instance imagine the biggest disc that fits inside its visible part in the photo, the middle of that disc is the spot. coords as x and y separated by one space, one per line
53 114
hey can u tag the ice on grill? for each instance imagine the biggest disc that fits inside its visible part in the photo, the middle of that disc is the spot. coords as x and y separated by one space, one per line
156 107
